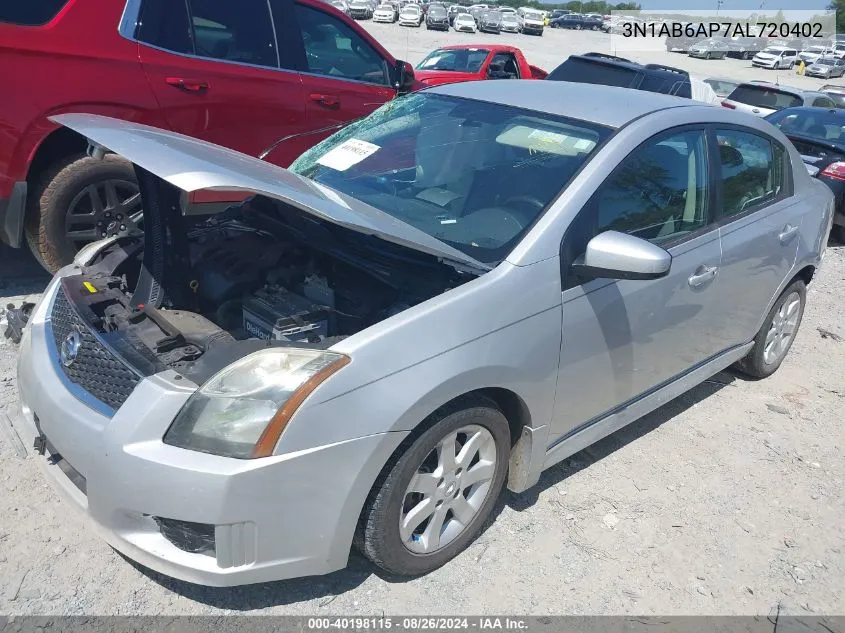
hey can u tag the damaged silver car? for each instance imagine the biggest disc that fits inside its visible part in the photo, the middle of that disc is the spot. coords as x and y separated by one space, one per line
446 297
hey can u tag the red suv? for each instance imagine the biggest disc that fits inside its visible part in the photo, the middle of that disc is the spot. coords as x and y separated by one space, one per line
242 74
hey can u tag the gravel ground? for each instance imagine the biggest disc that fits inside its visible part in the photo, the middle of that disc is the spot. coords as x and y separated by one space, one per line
728 500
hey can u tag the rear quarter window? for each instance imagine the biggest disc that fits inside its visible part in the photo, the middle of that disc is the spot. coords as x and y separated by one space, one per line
765 97
30 13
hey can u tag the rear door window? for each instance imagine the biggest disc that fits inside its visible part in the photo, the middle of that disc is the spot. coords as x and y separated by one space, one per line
166 25
764 97
752 171
30 12
234 31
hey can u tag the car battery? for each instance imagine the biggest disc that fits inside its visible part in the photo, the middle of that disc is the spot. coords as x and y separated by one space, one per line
275 313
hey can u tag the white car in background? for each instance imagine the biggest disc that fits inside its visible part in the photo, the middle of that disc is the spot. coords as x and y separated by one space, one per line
814 53
410 15
532 20
775 57
464 22
385 13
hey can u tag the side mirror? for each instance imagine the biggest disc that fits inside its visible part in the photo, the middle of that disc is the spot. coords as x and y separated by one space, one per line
614 255
405 79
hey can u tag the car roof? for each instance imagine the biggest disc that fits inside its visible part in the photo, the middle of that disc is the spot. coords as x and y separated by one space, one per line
605 105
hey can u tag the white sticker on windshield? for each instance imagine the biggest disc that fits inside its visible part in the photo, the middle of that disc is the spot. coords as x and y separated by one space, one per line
347 154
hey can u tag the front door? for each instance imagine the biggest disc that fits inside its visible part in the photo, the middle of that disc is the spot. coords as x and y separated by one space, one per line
624 338
218 73
343 76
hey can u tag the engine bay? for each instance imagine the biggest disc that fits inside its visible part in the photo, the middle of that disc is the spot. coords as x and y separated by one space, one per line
257 275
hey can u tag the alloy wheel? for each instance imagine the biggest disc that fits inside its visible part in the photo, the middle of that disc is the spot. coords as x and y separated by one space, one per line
103 209
448 489
783 329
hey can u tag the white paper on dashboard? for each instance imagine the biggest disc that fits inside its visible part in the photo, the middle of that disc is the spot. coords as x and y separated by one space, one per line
347 154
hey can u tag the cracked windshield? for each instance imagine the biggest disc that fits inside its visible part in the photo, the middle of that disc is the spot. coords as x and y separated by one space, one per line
475 175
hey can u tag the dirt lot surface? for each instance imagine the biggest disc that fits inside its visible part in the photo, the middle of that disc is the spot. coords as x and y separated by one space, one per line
728 500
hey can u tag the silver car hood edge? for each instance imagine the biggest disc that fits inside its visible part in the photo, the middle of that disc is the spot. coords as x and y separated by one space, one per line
192 165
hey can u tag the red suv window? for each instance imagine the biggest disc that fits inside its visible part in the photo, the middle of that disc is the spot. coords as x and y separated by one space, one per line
30 13
217 29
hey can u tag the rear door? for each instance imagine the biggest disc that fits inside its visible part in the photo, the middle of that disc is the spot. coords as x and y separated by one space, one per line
624 338
218 72
344 77
760 226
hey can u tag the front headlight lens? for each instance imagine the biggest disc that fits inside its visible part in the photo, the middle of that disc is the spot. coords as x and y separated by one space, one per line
242 410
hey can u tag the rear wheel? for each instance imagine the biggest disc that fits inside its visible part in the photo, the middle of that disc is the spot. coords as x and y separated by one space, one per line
775 338
433 499
80 200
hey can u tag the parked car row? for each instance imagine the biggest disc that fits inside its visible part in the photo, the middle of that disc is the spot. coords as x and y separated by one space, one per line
473 19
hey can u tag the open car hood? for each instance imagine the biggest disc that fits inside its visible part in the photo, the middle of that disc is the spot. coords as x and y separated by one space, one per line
192 165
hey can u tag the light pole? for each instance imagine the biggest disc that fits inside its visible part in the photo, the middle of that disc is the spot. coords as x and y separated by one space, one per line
719 4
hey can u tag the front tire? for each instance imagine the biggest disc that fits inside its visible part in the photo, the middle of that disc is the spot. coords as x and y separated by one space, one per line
433 497
777 334
76 201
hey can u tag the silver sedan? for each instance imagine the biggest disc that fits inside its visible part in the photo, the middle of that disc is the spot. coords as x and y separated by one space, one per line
445 298
709 49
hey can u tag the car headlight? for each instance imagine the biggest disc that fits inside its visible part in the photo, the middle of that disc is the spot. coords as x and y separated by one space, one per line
242 410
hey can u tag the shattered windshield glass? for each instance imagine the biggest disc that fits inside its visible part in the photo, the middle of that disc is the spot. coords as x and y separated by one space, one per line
473 174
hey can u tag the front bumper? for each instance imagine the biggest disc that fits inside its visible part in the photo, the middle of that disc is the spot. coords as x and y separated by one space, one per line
278 517
382 18
526 28
764 64
408 22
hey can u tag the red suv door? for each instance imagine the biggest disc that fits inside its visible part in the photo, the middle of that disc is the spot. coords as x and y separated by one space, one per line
219 74
344 76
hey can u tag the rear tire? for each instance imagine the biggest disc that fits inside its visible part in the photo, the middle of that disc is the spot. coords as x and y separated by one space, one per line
393 500
771 345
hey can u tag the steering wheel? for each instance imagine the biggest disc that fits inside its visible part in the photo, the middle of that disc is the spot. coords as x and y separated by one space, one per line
525 203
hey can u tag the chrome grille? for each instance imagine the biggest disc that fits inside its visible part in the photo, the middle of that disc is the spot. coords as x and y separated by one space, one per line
96 370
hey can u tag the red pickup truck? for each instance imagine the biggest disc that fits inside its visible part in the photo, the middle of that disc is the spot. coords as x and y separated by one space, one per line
463 62
240 74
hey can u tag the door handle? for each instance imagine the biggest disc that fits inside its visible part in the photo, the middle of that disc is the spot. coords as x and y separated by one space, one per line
330 101
188 85
786 233
702 275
